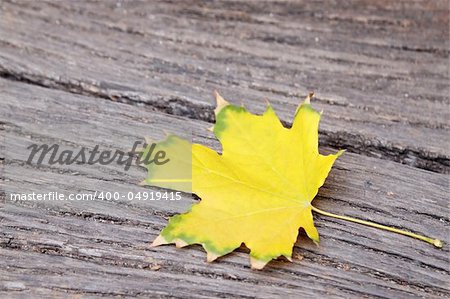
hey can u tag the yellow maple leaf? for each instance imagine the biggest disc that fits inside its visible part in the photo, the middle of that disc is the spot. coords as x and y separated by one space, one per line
259 190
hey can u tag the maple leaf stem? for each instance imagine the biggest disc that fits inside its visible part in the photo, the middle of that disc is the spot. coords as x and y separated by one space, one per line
435 242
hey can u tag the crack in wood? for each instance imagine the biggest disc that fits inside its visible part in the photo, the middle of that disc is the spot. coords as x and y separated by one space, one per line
182 107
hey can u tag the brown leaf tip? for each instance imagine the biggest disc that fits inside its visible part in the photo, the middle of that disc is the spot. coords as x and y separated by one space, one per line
159 241
257 264
308 98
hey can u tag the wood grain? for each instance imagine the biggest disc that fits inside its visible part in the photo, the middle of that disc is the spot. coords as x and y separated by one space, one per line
380 71
102 248
82 73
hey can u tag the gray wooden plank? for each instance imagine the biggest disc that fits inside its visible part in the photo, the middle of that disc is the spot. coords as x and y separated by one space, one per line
102 248
380 70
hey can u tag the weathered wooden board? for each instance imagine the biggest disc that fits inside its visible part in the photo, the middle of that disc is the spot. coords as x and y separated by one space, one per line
117 71
99 249
380 69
